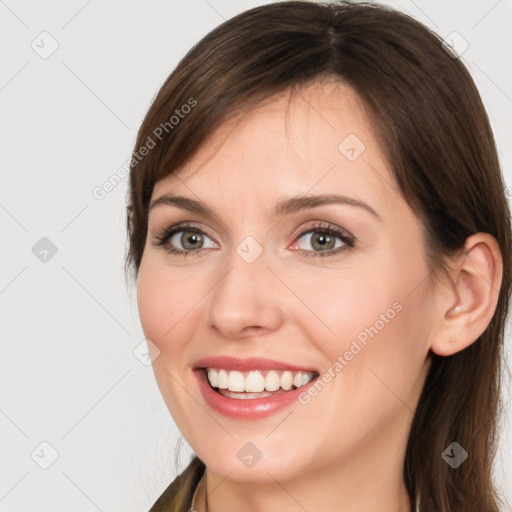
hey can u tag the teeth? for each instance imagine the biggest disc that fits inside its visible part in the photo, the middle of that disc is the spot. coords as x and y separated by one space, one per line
213 377
222 379
254 382
272 381
236 381
287 380
257 381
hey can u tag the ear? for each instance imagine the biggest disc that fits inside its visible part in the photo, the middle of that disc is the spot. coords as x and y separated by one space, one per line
468 302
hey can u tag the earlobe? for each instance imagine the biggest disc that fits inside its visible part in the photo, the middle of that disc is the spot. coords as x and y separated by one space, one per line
475 281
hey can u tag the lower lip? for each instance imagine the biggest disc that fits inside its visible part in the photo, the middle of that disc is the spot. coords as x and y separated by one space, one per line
249 409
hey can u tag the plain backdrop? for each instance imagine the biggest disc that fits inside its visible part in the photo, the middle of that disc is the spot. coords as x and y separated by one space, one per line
83 425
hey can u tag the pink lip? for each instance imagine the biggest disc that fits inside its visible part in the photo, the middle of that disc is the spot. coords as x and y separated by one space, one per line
251 409
245 365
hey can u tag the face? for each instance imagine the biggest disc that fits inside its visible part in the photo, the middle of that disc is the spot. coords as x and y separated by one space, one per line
331 284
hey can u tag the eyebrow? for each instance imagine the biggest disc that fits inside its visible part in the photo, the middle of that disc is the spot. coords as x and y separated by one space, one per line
284 206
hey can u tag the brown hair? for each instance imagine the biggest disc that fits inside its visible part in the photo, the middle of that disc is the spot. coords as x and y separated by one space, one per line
433 128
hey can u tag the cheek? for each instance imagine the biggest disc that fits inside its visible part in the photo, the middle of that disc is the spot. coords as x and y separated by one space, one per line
165 304
374 317
341 305
152 301
169 319
384 377
375 362
379 300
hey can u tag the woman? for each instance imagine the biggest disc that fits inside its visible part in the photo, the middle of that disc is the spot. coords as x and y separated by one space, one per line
321 240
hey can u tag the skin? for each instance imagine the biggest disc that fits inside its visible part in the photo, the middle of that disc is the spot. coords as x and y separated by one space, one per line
344 450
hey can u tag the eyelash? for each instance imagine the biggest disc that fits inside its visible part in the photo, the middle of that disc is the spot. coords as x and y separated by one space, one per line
162 238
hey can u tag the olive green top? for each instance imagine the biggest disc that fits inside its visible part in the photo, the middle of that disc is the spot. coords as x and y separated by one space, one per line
178 495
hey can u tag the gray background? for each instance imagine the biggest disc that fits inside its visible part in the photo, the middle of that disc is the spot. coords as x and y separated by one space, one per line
69 375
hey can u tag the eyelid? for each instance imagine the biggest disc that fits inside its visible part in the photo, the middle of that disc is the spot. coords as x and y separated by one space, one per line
326 226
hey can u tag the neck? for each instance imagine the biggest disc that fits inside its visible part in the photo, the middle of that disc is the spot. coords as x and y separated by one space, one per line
318 496
369 483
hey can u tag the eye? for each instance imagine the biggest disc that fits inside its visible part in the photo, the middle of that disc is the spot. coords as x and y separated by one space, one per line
325 239
183 240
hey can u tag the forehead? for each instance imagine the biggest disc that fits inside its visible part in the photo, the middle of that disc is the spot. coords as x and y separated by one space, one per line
317 140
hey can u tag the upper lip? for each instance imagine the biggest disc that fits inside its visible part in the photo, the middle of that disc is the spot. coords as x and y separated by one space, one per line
248 364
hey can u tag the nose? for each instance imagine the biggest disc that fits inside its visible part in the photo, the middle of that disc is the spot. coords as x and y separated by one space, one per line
244 301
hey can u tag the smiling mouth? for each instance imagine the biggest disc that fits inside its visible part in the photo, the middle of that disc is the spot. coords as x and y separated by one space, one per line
256 383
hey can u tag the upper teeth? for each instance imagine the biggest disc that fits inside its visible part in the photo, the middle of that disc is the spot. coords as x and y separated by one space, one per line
256 381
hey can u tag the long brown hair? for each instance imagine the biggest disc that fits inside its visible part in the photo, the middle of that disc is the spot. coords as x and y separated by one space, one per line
431 124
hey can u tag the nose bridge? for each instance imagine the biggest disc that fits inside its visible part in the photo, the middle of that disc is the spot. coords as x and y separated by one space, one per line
243 298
